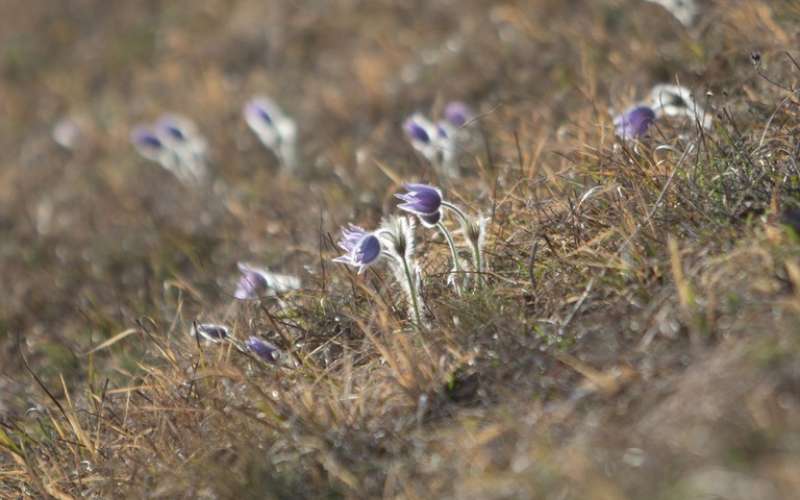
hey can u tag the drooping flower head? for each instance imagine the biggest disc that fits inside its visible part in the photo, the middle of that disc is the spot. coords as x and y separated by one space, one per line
256 282
261 114
635 122
209 331
420 131
362 248
147 143
437 142
176 144
262 349
458 114
273 127
420 199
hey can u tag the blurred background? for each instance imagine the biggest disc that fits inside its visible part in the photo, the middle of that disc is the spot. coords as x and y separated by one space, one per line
94 238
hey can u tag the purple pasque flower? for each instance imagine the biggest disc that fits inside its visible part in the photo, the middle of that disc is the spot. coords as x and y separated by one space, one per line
262 349
458 114
252 283
209 331
256 282
420 199
419 130
269 122
362 248
634 122
276 130
147 143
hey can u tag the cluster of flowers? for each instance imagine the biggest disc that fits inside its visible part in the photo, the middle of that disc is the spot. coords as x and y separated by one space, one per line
441 142
210 332
175 143
664 100
393 241
254 283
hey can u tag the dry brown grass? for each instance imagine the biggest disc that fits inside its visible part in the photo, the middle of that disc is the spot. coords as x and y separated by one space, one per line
637 335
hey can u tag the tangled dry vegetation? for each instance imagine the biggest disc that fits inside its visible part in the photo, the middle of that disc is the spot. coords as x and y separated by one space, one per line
637 335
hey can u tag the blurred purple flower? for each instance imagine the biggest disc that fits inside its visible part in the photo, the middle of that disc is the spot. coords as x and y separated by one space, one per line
260 114
273 127
417 130
362 248
420 199
172 128
262 349
458 114
634 122
147 143
251 285
209 331
256 282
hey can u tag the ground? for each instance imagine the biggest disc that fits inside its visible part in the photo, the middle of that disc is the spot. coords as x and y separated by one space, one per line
635 332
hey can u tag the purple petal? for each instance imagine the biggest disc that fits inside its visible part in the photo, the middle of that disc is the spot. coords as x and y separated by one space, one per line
259 109
458 114
634 122
262 349
416 132
420 199
209 331
143 137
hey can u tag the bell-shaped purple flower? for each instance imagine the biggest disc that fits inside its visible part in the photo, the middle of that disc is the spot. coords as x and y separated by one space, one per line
209 331
251 285
458 114
147 143
417 130
362 248
262 349
276 130
420 199
260 114
634 122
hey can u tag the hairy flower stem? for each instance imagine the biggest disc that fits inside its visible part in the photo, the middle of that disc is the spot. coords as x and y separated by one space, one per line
412 290
476 251
453 253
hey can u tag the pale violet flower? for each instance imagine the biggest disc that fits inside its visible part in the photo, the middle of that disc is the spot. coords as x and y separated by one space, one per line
209 332
362 248
421 199
433 141
257 282
635 122
148 144
174 143
276 130
262 349
458 114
